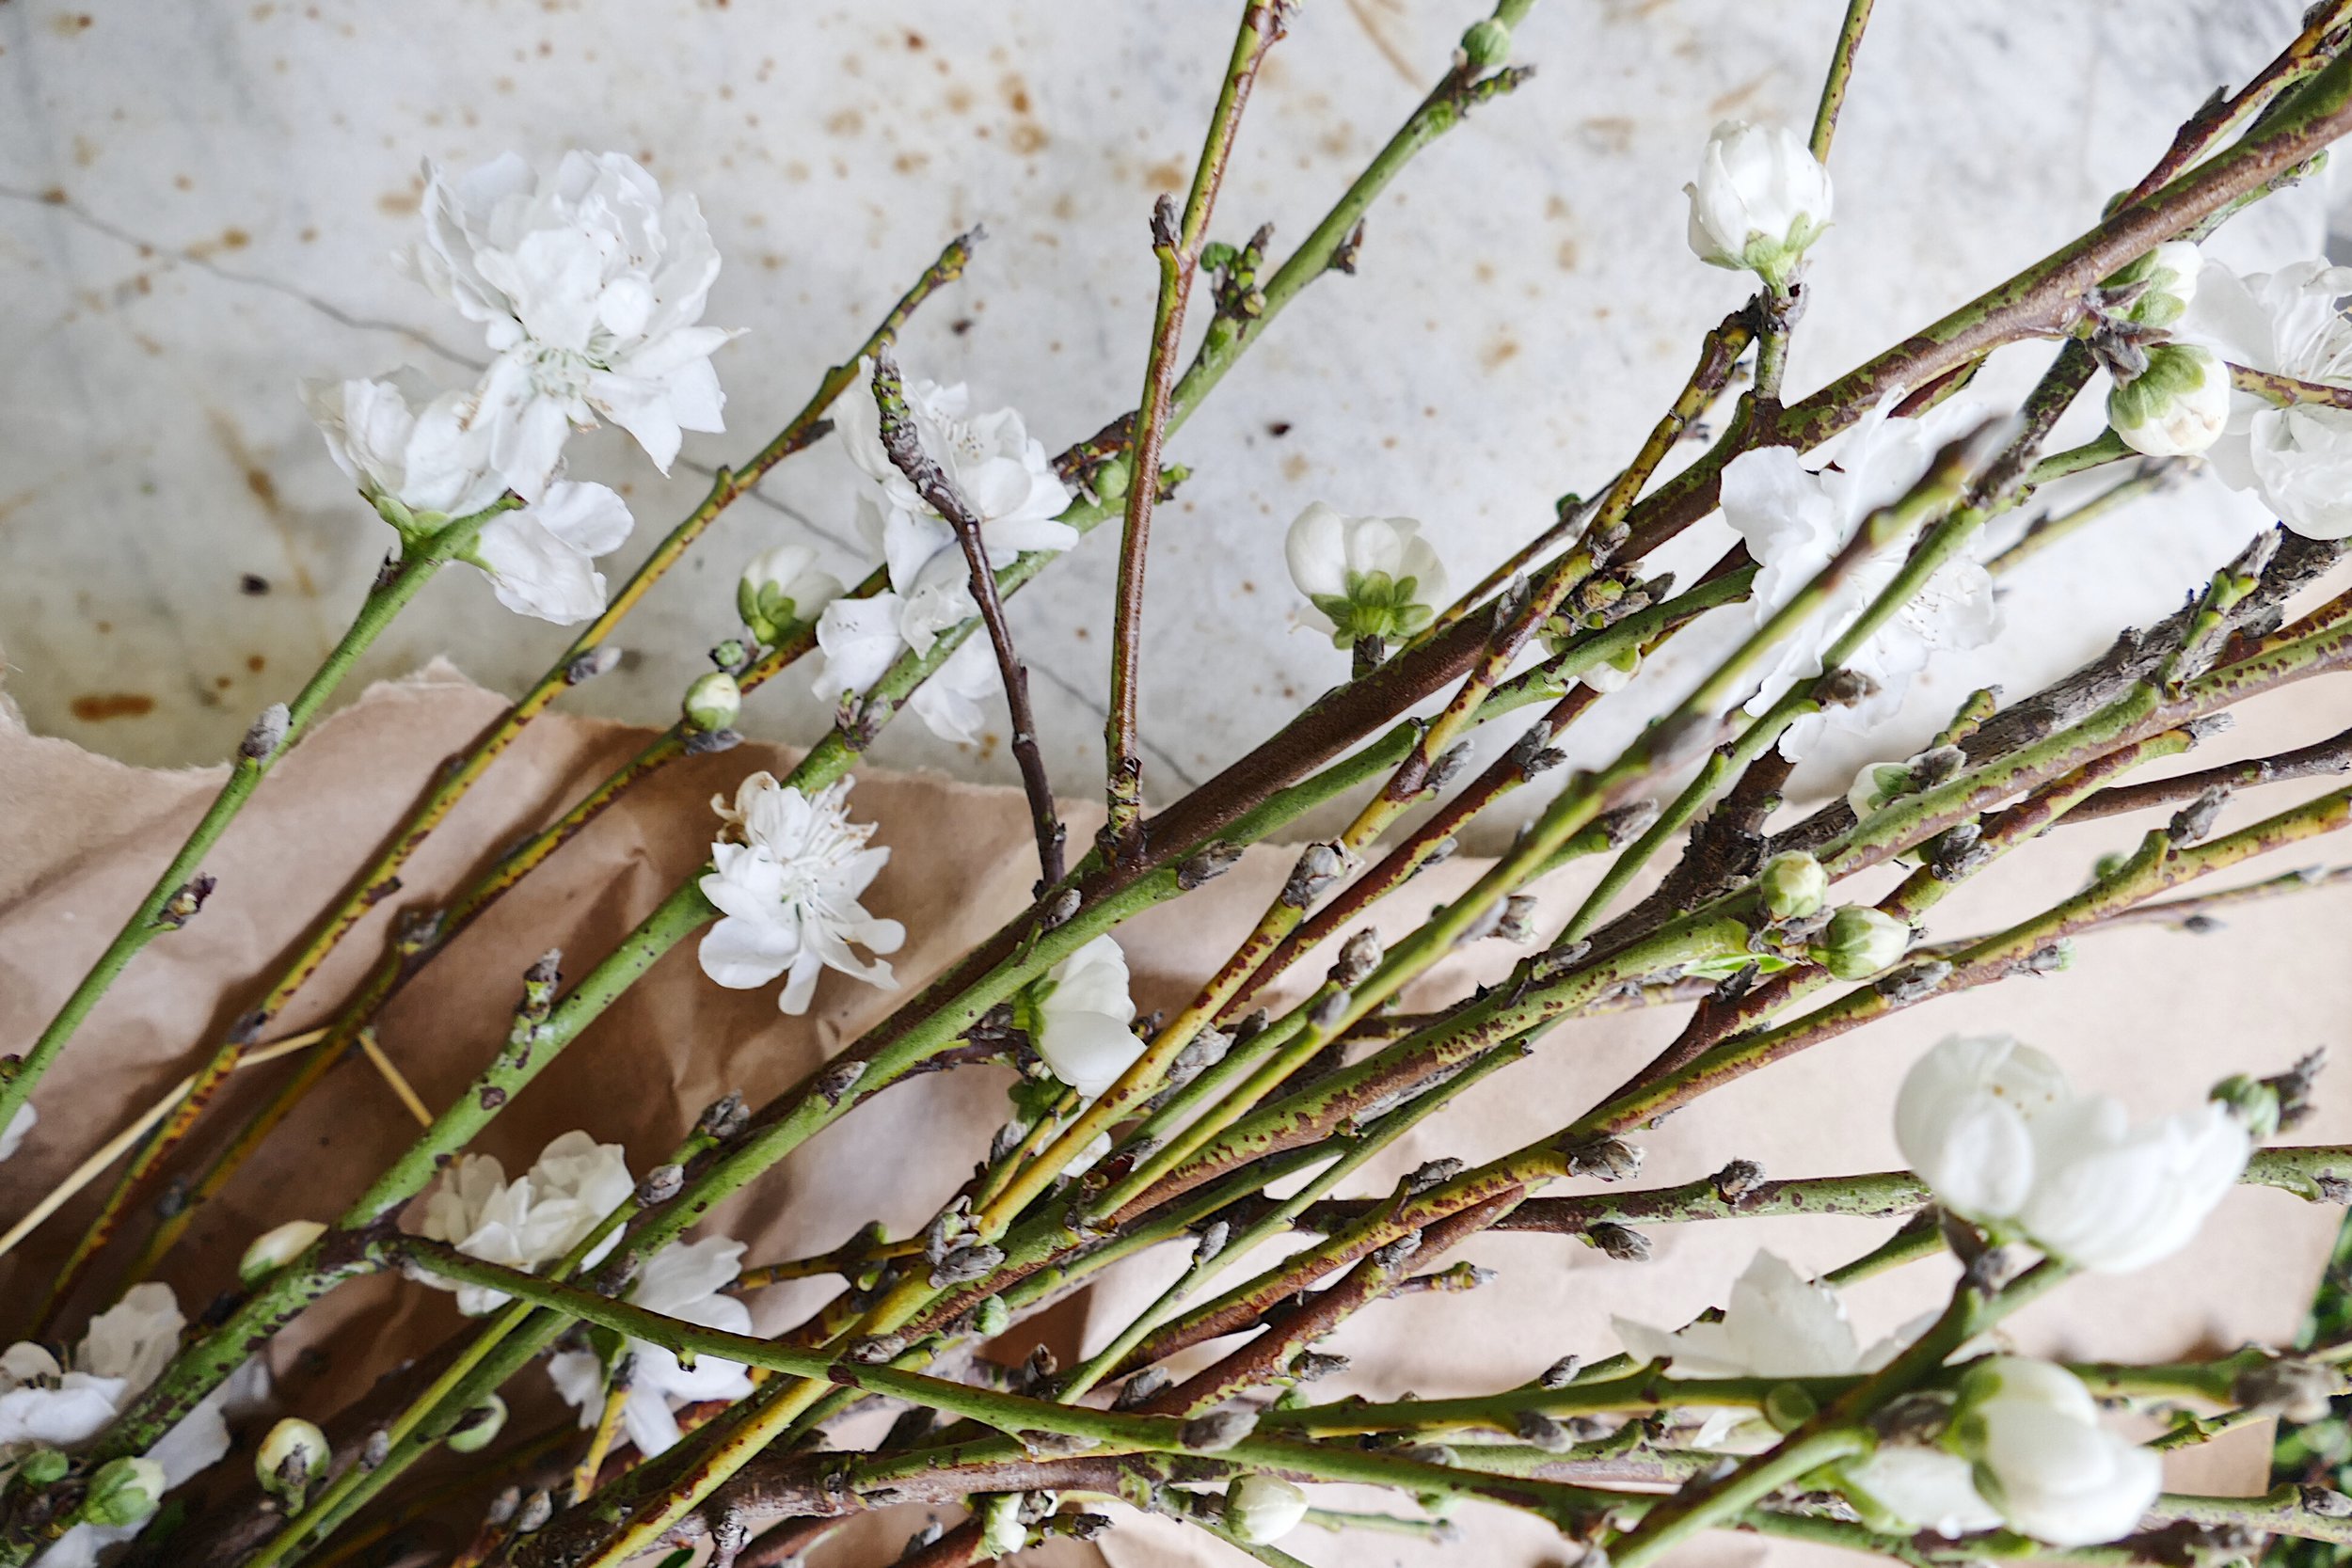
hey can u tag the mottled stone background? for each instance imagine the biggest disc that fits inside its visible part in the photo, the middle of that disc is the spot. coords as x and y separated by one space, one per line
196 201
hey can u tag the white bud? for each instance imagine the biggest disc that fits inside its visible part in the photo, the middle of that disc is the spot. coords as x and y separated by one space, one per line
1002 1532
1264 1509
2169 275
2177 406
274 1249
292 1456
1760 199
1859 942
713 702
124 1492
1793 885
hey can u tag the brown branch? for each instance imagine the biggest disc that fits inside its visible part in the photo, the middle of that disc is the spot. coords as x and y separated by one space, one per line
2332 755
905 447
1177 246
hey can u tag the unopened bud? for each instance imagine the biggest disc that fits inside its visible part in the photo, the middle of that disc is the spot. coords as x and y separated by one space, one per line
1736 1180
1626 823
43 1467
713 702
289 1458
1448 767
1486 44
723 1117
267 734
1358 957
991 1317
1561 1372
1002 1533
1620 1241
1860 941
274 1249
1517 920
1792 885
1212 861
538 1509
602 659
1140 1389
2175 407
1264 1509
1609 1159
124 1492
965 1264
1319 867
660 1184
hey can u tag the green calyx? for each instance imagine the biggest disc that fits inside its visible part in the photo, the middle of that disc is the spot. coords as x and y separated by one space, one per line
766 610
1375 605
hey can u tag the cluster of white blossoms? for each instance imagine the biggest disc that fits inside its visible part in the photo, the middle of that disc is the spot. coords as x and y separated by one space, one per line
531 1221
1004 476
540 1216
1794 519
684 1280
51 1407
1364 576
589 286
2003 1141
787 871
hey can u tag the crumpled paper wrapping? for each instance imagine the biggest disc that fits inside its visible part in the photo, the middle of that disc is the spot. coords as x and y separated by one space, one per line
2148 1014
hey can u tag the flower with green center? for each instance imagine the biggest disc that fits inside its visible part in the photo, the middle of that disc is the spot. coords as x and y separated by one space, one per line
782 588
2177 406
1365 576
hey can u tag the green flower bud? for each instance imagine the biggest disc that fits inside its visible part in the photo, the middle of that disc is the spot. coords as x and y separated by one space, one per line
1264 1509
2253 1102
1860 941
42 1467
1790 1406
2177 406
292 1456
991 1317
124 1492
1793 885
1002 1533
1486 45
478 1427
272 1250
714 702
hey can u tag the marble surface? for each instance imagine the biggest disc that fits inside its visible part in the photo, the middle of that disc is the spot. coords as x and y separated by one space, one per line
196 201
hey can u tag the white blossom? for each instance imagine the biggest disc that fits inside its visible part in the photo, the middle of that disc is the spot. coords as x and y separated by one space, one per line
1079 1015
414 457
860 639
535 1219
1000 471
1760 199
782 587
590 287
12 1136
2002 1139
1794 520
1364 576
45 1404
1262 1509
788 870
2298 459
2177 406
1920 1488
683 1281
2042 1458
1778 1324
